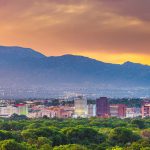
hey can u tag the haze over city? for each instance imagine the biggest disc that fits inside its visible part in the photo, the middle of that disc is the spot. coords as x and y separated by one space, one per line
108 30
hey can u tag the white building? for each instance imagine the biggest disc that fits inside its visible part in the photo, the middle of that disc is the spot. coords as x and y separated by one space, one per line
7 111
133 112
91 110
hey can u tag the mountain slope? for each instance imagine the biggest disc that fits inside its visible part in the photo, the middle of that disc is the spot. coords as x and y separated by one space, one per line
23 67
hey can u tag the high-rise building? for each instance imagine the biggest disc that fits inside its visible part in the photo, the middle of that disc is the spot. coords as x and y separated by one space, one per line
145 109
102 107
118 110
80 105
91 110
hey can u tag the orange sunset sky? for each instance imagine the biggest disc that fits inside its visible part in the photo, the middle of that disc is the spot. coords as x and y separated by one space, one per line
108 30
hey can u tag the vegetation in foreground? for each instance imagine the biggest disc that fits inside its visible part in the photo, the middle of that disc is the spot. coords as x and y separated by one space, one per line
20 133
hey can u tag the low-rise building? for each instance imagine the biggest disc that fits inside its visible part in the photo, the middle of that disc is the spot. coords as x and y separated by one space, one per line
133 112
118 110
7 111
51 112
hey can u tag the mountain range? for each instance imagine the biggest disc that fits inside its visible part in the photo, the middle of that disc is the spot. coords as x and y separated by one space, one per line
24 67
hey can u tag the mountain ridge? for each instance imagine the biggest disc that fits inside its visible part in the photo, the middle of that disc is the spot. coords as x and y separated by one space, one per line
24 67
64 55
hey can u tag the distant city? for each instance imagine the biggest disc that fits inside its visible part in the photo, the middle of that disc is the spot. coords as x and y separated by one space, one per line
75 107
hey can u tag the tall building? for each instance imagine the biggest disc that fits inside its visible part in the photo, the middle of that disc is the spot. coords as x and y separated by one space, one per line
80 105
91 110
118 110
145 109
102 107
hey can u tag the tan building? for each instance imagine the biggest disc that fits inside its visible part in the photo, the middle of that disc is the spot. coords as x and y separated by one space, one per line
118 110
52 112
80 105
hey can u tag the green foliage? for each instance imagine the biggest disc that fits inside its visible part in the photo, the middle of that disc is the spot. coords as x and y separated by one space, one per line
88 135
117 148
138 123
122 136
18 117
142 144
70 147
134 102
51 133
75 134
11 145
5 135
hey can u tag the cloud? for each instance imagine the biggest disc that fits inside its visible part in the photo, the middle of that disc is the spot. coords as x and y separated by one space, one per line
72 26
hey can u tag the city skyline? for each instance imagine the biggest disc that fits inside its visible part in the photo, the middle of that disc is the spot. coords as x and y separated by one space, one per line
109 31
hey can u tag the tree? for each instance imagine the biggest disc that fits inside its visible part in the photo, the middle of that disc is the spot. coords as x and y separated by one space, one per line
117 148
143 144
138 123
88 136
18 117
146 133
46 147
45 117
70 147
56 137
122 136
5 135
43 141
11 145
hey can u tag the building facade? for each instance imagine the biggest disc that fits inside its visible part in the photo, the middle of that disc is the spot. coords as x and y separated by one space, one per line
22 109
133 112
102 107
91 110
80 105
118 110
145 109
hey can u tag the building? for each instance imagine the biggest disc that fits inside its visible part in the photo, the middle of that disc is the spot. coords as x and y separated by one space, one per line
145 109
102 107
51 112
91 110
118 110
22 109
80 105
133 112
7 111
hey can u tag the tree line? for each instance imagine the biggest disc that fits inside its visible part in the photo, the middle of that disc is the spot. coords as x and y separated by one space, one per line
21 133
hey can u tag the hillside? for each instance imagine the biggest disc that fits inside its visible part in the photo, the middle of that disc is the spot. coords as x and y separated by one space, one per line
24 67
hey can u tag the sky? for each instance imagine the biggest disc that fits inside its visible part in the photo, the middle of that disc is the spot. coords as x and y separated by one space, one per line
112 31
